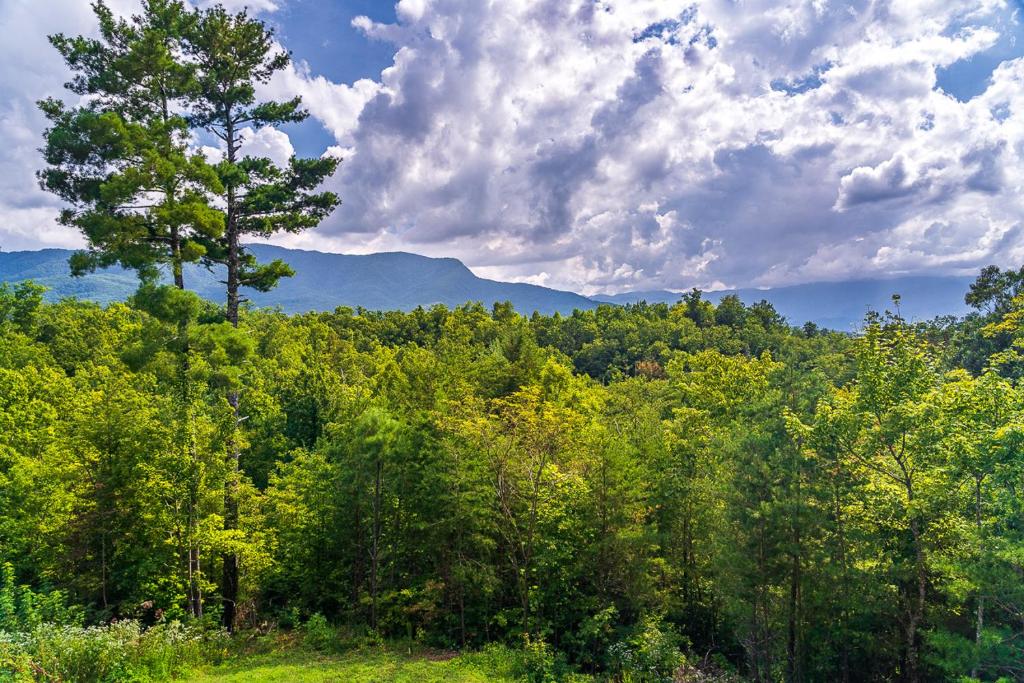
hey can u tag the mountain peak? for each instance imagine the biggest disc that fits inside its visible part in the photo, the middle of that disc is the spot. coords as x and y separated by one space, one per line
395 280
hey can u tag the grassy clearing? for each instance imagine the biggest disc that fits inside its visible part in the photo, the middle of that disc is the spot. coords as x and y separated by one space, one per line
354 667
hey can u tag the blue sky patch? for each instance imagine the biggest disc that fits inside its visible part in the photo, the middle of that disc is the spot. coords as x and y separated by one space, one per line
803 83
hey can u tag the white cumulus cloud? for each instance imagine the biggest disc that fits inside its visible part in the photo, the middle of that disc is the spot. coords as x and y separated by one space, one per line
618 144
633 144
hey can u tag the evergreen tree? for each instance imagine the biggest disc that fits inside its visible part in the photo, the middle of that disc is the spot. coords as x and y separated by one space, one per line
121 160
232 54
138 193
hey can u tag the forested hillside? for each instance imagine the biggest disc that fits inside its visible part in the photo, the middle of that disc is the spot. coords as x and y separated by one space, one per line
623 489
322 282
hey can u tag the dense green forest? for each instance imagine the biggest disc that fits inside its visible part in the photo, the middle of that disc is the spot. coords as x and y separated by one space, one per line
643 493
620 485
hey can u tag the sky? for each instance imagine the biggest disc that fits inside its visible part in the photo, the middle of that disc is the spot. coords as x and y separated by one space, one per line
618 145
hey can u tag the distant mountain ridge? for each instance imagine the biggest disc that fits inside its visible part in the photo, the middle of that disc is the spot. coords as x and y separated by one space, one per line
839 305
322 282
403 281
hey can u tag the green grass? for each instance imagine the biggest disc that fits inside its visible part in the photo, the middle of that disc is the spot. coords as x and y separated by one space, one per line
354 667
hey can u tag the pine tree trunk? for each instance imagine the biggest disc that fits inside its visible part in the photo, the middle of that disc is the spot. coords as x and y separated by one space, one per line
229 580
194 569
229 585
177 267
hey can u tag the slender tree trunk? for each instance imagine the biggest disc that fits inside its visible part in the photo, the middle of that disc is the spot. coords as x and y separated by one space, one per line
375 545
195 591
459 554
915 606
979 622
233 268
359 552
195 594
526 578
763 629
462 613
844 592
229 581
194 572
792 666
195 483
686 562
979 626
103 567
176 264
187 434
793 672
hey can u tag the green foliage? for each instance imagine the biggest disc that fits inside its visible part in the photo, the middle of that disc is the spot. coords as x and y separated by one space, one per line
995 289
613 491
231 55
537 663
395 665
135 189
119 652
622 493
650 654
22 609
318 634
533 661
19 304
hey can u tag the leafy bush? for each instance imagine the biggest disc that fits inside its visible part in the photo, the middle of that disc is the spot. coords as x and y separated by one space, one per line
650 654
588 645
535 662
290 618
22 609
318 634
120 651
498 660
538 663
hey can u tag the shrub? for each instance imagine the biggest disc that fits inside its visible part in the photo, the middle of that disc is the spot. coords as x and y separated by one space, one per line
500 661
120 651
538 663
22 609
588 645
290 618
650 654
318 634
533 662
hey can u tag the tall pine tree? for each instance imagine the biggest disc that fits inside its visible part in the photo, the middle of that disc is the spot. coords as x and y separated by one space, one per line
233 53
137 191
121 159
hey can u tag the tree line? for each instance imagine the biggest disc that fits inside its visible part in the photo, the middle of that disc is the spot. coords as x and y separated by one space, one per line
790 504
